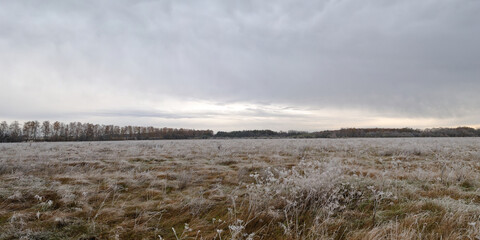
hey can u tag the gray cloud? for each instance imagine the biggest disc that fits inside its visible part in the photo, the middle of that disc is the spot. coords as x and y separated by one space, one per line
397 59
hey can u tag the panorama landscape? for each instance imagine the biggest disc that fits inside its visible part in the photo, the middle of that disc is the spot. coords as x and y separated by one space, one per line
239 120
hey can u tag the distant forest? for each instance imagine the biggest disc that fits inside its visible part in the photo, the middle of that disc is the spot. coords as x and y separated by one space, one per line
76 131
356 133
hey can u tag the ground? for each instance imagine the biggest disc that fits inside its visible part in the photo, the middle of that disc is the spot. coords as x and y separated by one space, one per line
412 188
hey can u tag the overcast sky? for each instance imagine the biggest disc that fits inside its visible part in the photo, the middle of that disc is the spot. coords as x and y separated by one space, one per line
246 64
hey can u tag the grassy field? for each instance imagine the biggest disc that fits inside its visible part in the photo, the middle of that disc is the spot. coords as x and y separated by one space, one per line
242 189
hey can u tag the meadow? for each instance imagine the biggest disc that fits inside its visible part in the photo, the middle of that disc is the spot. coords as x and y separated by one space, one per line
388 188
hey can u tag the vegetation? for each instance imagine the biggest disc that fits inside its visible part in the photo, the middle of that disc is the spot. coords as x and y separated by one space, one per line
76 131
355 133
419 188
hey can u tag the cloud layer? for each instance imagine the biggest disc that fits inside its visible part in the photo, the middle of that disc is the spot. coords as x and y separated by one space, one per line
242 64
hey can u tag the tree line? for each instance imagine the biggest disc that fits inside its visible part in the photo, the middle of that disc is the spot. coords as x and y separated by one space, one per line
356 133
77 131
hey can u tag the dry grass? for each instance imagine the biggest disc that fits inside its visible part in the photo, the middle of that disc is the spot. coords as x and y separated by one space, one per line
241 189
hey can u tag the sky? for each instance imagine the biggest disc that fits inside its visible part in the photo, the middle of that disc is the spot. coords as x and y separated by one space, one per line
242 64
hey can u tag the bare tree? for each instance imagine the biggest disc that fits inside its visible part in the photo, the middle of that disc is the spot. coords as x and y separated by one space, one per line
4 131
27 130
35 127
56 129
15 131
46 130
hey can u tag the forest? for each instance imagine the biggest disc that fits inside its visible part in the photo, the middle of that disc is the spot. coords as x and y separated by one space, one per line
355 133
77 131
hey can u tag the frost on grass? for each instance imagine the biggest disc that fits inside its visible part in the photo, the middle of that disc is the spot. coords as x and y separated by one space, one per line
309 185
242 189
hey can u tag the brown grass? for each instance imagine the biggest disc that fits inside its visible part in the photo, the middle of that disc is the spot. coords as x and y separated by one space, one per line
257 189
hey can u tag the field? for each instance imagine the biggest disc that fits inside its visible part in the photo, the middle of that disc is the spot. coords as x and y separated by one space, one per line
422 188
